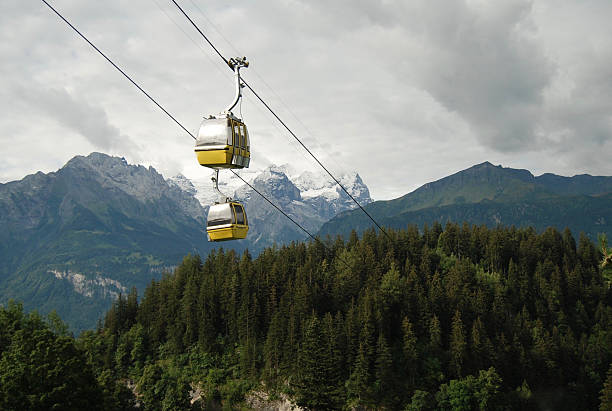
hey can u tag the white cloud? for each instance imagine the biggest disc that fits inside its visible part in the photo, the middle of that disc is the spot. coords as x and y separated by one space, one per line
402 92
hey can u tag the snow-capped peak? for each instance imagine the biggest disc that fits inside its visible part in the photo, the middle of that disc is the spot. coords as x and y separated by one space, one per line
183 183
308 197
310 184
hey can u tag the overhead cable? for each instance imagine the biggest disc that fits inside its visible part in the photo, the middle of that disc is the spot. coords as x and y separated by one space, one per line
177 122
117 67
316 159
227 62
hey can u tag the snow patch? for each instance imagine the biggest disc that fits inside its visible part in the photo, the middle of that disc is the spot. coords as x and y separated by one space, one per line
324 192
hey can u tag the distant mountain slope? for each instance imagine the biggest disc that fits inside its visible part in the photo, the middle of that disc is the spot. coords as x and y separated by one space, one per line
582 184
491 195
310 198
73 239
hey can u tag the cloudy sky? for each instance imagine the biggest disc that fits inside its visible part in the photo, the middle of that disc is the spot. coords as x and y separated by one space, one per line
402 91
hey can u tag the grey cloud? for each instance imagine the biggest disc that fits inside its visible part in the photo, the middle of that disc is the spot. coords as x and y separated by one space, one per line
356 14
481 64
499 68
585 116
473 80
74 113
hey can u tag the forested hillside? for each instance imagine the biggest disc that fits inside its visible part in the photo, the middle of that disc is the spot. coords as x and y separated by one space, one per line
461 318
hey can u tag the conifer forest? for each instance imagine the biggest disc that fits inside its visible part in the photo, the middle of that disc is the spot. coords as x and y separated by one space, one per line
446 318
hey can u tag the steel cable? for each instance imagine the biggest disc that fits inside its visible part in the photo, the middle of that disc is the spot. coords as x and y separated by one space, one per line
177 122
227 62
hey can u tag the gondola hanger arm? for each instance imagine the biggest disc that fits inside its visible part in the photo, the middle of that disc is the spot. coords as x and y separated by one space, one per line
236 64
215 179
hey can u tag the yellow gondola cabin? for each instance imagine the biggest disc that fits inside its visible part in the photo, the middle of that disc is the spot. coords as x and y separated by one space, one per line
223 142
227 221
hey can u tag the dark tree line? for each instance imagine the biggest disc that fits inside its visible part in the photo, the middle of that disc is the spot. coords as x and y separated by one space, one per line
463 317
487 318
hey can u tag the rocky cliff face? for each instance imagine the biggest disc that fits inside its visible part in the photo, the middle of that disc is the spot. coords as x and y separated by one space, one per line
320 190
98 217
22 203
146 185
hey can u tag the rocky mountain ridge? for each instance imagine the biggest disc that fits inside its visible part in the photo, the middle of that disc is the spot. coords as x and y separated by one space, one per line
310 185
101 222
310 198
98 226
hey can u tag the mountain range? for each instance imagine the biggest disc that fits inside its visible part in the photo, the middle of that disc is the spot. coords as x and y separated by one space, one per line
309 198
494 195
72 240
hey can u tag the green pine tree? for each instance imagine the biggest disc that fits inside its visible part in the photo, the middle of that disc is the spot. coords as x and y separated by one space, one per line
458 346
315 363
409 349
384 372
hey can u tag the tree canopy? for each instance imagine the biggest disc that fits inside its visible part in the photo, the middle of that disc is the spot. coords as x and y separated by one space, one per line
460 317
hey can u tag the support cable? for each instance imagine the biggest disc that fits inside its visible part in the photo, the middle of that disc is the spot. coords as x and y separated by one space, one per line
316 239
121 71
226 61
274 205
180 125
